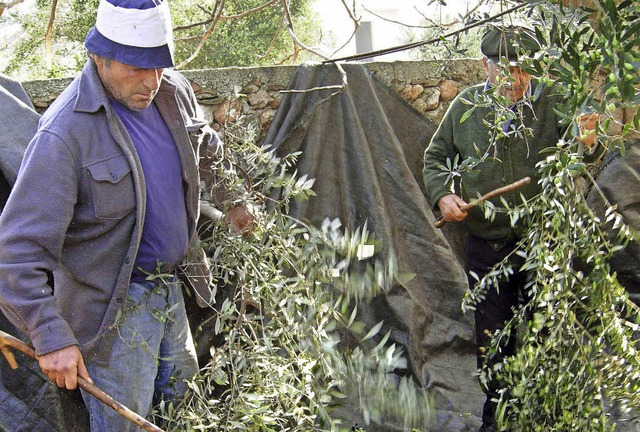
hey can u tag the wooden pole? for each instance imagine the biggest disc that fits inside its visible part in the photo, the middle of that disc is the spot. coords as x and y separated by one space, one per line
7 341
515 185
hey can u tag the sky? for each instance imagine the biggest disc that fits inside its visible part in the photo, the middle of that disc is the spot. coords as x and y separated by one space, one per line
386 32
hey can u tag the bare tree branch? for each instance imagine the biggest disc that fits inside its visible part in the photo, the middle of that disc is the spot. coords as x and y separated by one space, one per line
227 17
47 35
250 11
429 41
218 16
286 15
4 5
273 41
392 21
205 36
434 24
297 43
296 40
352 11
356 24
205 10
456 21
339 87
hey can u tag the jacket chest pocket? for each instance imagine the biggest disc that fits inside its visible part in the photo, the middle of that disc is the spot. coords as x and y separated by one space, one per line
112 189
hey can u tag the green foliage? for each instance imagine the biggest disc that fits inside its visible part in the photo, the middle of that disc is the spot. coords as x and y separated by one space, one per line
578 349
252 36
292 350
27 58
258 38
593 56
503 112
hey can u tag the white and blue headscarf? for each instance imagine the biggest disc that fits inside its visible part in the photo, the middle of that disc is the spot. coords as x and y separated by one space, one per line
134 32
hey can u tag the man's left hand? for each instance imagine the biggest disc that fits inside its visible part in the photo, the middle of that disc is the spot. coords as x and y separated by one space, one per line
587 124
241 220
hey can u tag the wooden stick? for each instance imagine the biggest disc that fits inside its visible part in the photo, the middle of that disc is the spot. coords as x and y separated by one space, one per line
7 341
515 185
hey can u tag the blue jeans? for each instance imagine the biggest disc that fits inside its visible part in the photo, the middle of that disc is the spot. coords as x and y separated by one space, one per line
152 356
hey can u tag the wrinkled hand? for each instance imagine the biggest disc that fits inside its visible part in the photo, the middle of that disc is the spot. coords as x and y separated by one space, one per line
241 220
450 208
64 366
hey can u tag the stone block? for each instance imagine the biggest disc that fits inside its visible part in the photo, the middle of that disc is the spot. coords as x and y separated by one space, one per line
431 98
260 99
448 90
227 111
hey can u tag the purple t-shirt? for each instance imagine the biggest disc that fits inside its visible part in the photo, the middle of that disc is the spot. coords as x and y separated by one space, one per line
165 231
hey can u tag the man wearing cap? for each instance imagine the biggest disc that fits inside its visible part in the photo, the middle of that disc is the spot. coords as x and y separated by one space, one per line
106 200
510 153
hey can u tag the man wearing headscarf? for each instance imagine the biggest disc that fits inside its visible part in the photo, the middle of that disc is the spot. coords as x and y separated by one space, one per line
106 202
505 154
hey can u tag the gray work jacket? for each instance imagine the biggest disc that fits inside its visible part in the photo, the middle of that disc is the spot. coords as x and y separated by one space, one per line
77 210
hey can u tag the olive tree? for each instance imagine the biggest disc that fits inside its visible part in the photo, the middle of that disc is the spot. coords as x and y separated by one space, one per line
208 34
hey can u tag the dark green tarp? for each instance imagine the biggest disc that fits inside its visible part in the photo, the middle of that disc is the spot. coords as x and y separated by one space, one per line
17 125
618 184
363 146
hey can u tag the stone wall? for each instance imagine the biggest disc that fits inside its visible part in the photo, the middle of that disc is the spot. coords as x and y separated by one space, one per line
254 94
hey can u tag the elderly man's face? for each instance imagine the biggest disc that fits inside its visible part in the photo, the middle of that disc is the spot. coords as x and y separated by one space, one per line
515 85
133 87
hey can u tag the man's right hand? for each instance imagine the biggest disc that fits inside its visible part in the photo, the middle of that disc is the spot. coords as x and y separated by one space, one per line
64 366
450 208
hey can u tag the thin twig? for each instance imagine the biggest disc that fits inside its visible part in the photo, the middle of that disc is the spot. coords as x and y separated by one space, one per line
250 11
352 11
225 17
338 88
4 6
468 13
356 25
289 23
47 35
272 44
395 49
390 20
205 36
348 40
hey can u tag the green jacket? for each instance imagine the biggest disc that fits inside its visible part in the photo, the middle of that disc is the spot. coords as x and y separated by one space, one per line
509 158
